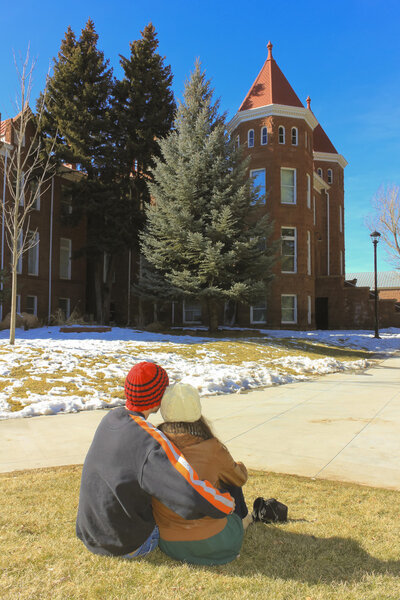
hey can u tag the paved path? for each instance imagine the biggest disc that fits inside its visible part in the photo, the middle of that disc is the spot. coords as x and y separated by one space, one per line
341 426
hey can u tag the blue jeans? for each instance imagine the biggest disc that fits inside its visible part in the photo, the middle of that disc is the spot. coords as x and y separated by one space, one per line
148 546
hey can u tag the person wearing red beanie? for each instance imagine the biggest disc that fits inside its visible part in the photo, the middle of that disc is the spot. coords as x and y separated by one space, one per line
128 462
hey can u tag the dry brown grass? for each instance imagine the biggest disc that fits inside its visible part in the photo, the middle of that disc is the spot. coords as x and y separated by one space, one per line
343 543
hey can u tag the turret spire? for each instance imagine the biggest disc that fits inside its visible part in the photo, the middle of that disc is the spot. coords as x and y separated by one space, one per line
269 46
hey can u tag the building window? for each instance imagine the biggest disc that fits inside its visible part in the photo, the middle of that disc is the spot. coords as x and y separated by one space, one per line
258 312
308 191
19 247
288 250
66 201
65 258
319 171
238 141
281 135
288 186
309 310
258 177
306 139
294 136
250 138
33 254
191 312
18 304
64 304
288 308
21 189
31 305
35 194
340 218
330 176
341 263
315 213
308 253
264 136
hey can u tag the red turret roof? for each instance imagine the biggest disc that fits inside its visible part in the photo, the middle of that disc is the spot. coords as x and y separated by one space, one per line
321 142
270 87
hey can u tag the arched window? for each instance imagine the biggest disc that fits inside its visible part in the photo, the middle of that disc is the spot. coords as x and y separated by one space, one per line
294 136
330 176
281 135
319 171
250 138
264 136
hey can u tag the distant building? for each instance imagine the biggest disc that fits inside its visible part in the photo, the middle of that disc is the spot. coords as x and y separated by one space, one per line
388 283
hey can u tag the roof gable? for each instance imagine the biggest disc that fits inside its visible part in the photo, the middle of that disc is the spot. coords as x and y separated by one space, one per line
321 142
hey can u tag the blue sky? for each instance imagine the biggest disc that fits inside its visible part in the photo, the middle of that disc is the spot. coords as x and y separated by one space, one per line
345 55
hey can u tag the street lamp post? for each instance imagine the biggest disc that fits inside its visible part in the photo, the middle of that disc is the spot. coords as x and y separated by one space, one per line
375 239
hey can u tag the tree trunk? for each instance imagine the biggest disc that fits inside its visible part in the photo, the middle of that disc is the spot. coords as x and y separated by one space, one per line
140 320
107 290
212 316
98 284
13 304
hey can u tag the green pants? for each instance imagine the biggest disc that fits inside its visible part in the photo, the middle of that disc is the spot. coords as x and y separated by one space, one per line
215 550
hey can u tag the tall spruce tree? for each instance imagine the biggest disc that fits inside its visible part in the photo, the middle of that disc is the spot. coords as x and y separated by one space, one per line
204 234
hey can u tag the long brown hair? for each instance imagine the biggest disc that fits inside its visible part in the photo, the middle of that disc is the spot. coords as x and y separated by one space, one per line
198 428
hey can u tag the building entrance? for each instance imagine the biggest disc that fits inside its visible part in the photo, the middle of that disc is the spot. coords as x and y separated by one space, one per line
321 313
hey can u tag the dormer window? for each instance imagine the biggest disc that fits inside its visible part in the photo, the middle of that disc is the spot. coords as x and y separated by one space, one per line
319 171
294 136
281 135
264 136
330 176
250 138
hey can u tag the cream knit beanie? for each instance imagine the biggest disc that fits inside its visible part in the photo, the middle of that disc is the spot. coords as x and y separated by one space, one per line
181 403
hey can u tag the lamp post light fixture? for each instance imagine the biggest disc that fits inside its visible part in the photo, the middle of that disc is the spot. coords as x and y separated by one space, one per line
375 239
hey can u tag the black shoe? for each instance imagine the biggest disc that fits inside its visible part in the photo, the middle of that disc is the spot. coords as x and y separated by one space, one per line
269 511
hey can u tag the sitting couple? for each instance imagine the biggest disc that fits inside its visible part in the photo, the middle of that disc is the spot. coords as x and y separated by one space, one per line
175 486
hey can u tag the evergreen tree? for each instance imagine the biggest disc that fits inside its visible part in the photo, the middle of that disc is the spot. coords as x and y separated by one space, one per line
204 231
143 110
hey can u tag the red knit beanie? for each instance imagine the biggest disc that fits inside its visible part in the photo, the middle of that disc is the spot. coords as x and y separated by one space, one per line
145 386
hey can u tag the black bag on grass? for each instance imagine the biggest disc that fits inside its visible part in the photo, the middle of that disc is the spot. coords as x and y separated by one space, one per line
269 511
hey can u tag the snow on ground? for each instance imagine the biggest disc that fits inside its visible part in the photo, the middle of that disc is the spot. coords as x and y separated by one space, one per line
48 372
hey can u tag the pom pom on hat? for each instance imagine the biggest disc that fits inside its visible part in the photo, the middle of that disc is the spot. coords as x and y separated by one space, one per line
181 403
144 386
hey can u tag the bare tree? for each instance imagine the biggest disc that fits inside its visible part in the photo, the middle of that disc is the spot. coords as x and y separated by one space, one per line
27 171
386 220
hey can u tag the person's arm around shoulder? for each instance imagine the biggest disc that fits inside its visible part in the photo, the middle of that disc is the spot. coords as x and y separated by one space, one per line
230 472
168 476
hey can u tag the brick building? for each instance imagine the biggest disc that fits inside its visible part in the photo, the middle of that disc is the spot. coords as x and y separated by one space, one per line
49 277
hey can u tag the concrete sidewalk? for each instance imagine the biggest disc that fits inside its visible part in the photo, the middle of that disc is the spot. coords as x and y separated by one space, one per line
342 426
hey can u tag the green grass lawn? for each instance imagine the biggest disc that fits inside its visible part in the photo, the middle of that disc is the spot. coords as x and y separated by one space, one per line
342 543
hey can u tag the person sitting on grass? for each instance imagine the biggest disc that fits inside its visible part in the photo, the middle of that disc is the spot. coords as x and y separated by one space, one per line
128 462
204 541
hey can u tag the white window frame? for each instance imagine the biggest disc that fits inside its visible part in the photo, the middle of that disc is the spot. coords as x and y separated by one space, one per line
238 141
286 186
264 130
309 315
184 309
34 304
254 307
308 191
330 176
308 253
69 259
19 245
320 172
281 130
263 194
294 134
68 311
315 212
294 238
18 304
250 138
34 252
294 309
340 218
22 190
